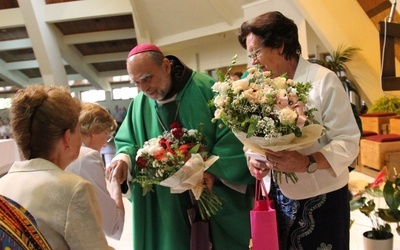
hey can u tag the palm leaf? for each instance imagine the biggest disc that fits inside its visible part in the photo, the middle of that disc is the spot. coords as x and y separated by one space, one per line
336 62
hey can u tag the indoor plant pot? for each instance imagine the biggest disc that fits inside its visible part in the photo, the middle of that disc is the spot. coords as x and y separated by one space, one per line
380 218
371 243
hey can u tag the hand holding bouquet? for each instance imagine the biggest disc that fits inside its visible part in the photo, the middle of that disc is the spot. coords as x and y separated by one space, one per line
267 113
178 159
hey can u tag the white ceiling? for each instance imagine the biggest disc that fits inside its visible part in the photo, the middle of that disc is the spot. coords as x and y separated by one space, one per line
170 24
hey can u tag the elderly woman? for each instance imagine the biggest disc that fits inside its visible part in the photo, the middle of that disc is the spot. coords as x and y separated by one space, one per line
97 126
45 124
320 196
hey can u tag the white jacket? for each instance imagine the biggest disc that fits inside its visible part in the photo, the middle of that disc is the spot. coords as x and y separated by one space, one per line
90 166
63 204
339 145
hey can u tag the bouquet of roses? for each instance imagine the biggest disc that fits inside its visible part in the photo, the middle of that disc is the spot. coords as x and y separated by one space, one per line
177 159
267 113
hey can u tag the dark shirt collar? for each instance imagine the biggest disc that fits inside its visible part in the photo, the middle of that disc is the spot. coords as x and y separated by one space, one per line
180 75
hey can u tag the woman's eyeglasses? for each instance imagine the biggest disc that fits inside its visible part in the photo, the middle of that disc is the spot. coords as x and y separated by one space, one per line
109 138
253 55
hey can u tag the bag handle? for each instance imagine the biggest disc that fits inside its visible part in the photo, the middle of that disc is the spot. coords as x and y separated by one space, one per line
260 182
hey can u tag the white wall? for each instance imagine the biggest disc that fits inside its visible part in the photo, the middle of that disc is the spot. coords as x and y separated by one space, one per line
201 58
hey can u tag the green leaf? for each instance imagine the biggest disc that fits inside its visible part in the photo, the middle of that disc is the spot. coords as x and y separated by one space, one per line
389 215
357 203
220 76
368 208
391 193
195 149
252 128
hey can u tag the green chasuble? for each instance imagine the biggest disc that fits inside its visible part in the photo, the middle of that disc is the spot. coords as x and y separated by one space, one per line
160 220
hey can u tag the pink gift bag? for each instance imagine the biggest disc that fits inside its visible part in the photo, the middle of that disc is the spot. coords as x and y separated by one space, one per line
264 229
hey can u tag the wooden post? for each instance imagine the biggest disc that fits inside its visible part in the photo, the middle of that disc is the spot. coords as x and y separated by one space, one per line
389 79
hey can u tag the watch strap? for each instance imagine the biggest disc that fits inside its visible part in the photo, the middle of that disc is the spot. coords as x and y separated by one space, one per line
312 165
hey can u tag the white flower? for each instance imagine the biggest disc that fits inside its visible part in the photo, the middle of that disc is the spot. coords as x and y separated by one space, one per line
148 148
280 82
267 73
253 96
240 85
192 132
151 149
290 82
153 141
253 70
217 114
281 93
219 100
221 87
140 152
287 116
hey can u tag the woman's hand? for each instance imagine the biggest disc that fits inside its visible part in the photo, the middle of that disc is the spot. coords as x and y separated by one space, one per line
117 169
287 161
263 167
208 180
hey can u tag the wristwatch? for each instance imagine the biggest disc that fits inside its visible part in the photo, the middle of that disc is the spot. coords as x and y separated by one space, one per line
312 165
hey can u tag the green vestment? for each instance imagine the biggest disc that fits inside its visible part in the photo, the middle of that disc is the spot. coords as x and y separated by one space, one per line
160 219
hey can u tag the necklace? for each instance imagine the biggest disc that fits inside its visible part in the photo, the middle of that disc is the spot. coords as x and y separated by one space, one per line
175 117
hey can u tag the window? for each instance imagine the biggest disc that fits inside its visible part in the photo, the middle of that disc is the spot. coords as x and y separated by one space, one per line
124 78
124 93
5 103
93 95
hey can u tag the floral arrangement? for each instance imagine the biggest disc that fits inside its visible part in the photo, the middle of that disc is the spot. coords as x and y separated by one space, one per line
178 159
260 105
266 112
366 201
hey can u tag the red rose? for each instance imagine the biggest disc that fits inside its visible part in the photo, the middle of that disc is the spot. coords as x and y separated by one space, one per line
163 143
141 162
177 133
175 125
176 130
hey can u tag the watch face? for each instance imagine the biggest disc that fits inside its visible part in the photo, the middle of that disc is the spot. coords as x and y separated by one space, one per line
312 167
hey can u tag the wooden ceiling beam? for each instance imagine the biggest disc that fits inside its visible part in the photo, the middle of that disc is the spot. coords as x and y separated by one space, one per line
373 8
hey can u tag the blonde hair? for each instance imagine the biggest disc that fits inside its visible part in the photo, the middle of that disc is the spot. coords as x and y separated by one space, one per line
95 119
40 115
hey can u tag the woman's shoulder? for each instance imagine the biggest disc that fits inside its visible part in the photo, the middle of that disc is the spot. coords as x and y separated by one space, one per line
89 152
87 164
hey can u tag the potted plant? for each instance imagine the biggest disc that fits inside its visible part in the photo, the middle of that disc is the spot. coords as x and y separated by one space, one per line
336 61
385 104
366 200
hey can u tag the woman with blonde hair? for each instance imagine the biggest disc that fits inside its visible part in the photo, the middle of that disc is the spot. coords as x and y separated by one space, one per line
45 124
97 126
